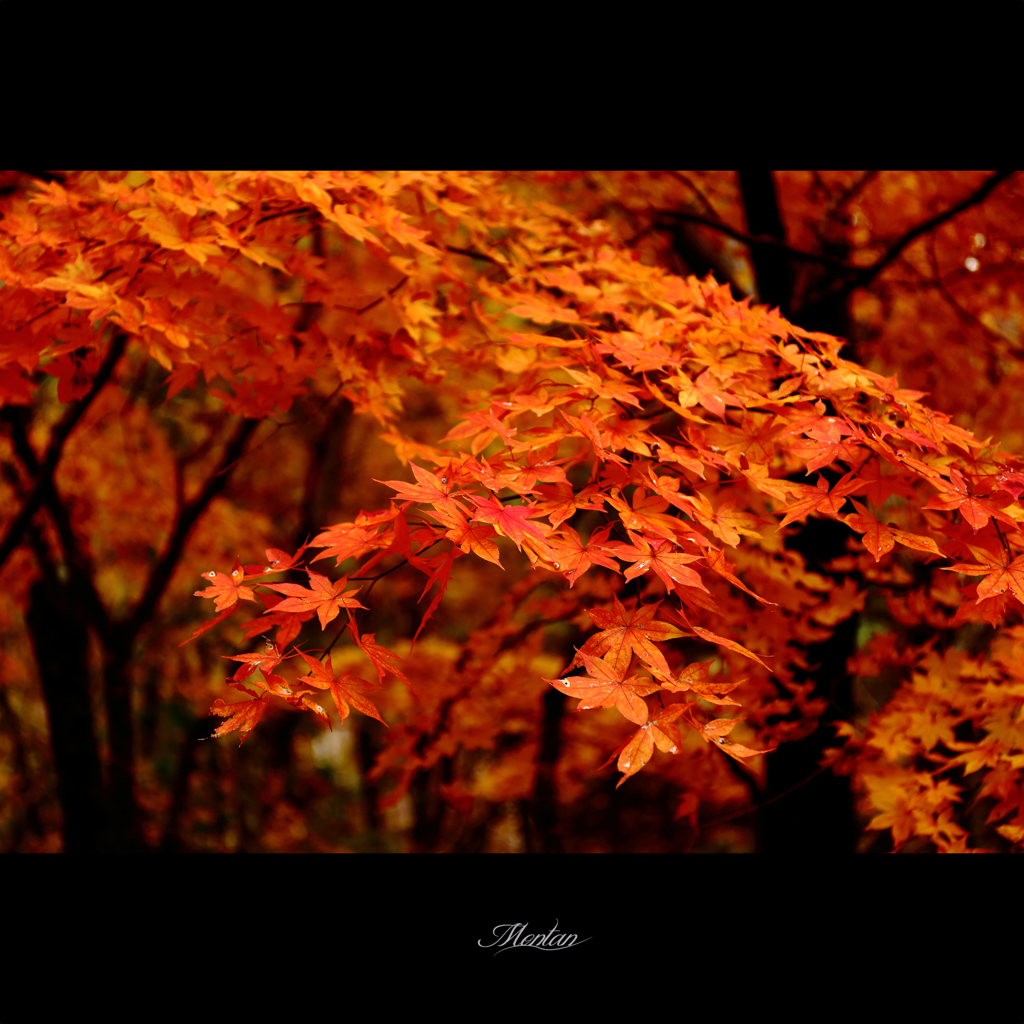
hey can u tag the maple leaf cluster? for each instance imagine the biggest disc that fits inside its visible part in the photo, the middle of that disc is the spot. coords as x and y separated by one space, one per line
645 441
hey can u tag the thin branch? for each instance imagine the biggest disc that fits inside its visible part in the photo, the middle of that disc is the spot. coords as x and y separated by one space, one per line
867 274
475 255
709 210
278 426
390 291
964 314
341 633
851 276
186 520
1006 547
283 213
858 186
756 807
60 434
755 241
77 560
33 319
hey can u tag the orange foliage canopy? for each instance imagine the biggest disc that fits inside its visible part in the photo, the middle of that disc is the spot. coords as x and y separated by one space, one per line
647 442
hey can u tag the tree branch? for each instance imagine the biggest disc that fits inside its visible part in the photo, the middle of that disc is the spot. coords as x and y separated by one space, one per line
858 186
78 562
866 274
701 198
186 520
60 434
474 254
754 241
852 277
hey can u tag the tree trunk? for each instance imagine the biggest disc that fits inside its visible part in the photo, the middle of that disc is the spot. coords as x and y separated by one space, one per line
818 814
124 835
771 266
542 824
61 639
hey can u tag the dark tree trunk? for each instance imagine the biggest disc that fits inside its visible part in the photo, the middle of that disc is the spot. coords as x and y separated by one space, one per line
27 819
771 266
542 825
195 730
124 833
60 639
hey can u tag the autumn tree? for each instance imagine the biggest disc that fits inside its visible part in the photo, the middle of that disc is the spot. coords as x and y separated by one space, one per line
491 475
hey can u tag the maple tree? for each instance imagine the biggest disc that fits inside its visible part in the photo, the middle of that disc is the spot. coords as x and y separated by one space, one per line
754 541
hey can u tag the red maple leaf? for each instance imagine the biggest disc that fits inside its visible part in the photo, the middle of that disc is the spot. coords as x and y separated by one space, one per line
266 661
226 590
477 537
279 561
74 374
510 521
289 624
440 569
383 659
717 561
714 638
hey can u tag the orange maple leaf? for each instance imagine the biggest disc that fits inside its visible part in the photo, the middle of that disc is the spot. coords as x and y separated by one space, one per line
345 540
605 687
433 488
716 732
624 632
974 509
646 514
243 715
324 597
345 689
820 499
704 391
1000 575
574 557
722 641
878 538
693 678
658 732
